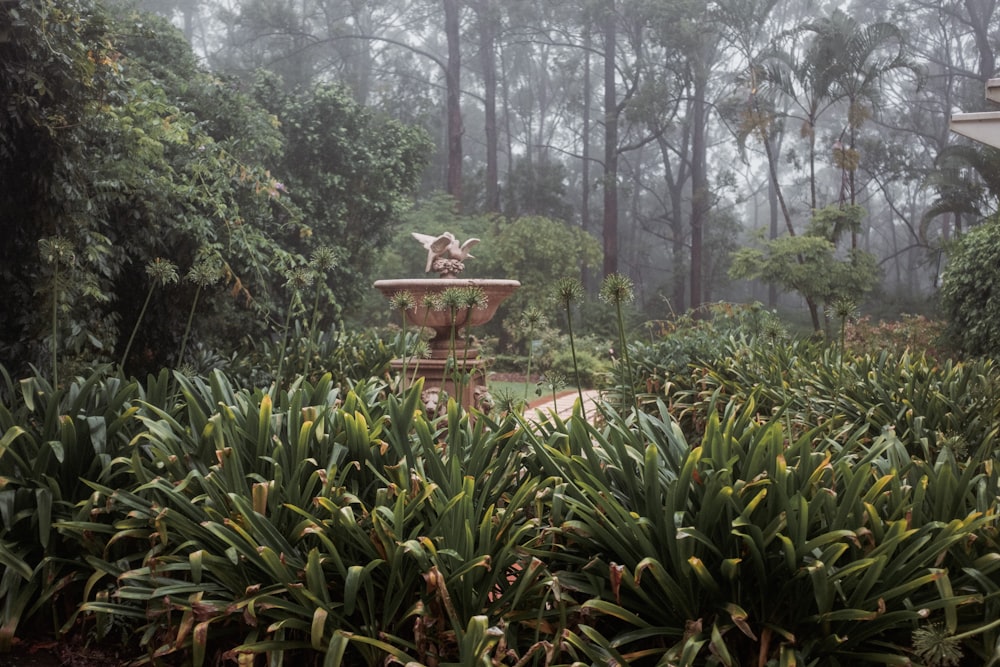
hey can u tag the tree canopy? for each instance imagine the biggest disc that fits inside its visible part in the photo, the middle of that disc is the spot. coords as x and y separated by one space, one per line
672 132
122 150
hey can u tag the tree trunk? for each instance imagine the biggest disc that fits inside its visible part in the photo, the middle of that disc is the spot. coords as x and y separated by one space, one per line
674 185
814 314
980 22
488 61
895 251
188 10
585 221
454 109
507 133
610 227
812 158
772 200
699 185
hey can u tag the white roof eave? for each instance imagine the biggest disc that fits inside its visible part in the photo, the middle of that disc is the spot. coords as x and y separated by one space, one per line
993 90
983 126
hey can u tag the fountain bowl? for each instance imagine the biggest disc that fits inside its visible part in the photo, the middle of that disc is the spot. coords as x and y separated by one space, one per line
496 291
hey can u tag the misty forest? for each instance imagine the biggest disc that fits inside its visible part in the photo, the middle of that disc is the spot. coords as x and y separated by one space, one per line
752 247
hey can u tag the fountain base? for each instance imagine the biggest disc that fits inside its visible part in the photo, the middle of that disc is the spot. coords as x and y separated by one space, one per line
462 378
460 374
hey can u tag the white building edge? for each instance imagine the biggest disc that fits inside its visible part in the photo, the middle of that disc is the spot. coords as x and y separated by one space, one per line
983 126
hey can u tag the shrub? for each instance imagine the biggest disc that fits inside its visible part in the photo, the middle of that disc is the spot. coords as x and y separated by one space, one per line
677 345
593 371
824 513
757 545
319 522
969 288
348 356
53 444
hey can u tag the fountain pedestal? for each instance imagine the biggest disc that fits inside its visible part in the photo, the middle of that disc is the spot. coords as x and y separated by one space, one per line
450 358
439 374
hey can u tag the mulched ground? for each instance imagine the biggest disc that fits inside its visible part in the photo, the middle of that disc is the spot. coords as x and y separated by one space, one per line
28 653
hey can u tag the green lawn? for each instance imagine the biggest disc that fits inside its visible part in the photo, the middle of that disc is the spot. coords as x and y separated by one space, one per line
508 388
513 389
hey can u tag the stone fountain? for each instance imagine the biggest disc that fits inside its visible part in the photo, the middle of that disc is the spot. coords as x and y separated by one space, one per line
450 356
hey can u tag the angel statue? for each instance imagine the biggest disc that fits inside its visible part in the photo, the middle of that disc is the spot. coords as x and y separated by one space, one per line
444 254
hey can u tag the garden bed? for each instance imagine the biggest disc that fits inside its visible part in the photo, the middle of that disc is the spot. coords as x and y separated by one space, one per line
68 653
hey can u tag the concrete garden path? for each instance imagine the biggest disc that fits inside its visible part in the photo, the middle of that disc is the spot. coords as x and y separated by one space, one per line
564 402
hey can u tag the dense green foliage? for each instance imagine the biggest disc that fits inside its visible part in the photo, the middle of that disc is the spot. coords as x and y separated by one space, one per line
774 501
969 291
349 171
743 499
533 250
121 150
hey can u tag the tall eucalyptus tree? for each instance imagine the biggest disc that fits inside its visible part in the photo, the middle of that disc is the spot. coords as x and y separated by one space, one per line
609 23
453 93
550 69
690 39
536 98
489 18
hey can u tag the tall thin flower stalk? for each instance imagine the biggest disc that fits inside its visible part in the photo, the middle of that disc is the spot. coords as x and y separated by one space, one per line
161 273
617 289
474 298
324 259
843 309
453 300
531 318
298 279
556 381
569 291
57 251
430 302
403 301
204 272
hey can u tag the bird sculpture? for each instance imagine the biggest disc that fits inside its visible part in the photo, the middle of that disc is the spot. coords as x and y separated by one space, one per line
436 246
441 248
